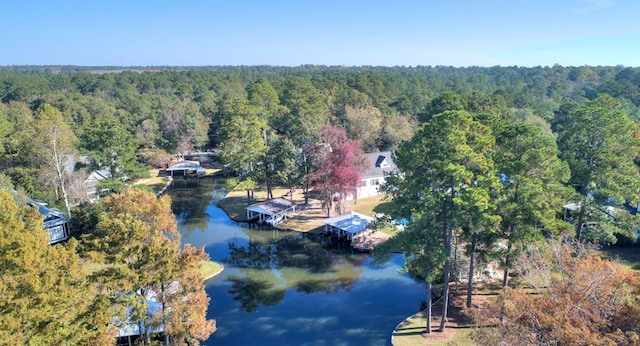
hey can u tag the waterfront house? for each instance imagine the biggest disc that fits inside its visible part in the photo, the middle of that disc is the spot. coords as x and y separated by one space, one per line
378 166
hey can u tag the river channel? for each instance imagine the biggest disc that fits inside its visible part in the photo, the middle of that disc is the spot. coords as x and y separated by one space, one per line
289 288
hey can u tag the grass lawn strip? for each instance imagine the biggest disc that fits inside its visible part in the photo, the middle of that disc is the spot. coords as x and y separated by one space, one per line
210 269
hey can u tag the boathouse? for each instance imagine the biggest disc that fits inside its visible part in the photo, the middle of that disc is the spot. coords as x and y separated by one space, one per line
186 169
348 226
271 211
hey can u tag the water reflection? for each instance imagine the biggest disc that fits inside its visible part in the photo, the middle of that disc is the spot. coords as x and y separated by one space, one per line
298 261
284 288
252 293
192 197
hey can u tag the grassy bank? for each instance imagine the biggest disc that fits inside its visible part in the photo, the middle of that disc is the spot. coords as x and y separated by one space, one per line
309 218
209 269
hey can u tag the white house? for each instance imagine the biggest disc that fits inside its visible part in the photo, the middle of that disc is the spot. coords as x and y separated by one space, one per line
378 165
90 184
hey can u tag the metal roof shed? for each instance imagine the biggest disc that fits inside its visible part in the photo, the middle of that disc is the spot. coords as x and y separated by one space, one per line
269 208
350 225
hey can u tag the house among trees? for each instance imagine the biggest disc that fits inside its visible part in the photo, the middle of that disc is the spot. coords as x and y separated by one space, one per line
378 165
186 169
128 332
55 222
91 183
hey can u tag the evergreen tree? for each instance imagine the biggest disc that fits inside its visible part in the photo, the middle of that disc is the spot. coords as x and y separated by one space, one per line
600 143
532 193
447 178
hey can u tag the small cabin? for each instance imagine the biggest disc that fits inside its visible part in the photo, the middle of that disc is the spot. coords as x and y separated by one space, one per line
92 181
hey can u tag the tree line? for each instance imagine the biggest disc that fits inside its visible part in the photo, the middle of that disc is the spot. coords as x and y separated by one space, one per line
120 118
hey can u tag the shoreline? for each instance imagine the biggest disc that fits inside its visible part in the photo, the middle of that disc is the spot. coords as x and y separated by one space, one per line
214 274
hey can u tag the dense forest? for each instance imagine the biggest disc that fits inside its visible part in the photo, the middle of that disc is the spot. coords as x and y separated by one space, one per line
488 154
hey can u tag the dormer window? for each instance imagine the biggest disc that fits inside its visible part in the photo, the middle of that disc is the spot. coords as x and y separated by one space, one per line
382 162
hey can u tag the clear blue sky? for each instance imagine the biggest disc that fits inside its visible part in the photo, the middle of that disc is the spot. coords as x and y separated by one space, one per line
330 32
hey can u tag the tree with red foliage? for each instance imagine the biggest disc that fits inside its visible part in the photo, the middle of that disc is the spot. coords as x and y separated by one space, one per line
340 170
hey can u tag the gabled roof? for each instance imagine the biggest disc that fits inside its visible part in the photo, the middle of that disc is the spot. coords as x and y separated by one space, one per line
378 164
351 222
98 175
52 216
272 206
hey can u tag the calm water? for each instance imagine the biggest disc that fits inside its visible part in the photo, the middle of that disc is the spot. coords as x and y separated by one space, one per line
282 288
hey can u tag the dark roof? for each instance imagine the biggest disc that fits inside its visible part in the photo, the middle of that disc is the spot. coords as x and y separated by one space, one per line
378 164
52 216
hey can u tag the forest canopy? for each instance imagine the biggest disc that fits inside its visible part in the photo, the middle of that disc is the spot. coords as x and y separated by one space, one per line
487 153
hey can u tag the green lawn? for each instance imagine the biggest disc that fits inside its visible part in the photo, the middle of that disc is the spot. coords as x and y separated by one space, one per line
209 269
409 333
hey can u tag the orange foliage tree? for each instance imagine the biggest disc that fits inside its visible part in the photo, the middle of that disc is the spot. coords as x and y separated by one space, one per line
570 296
139 240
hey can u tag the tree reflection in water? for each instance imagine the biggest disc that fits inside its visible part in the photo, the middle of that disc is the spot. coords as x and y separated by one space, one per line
253 293
304 262
190 198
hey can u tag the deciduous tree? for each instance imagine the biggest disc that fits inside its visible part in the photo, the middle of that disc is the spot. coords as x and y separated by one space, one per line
340 170
572 297
138 238
52 148
45 298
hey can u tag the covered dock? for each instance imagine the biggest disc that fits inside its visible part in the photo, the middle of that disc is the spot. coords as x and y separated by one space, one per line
186 169
350 226
272 211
